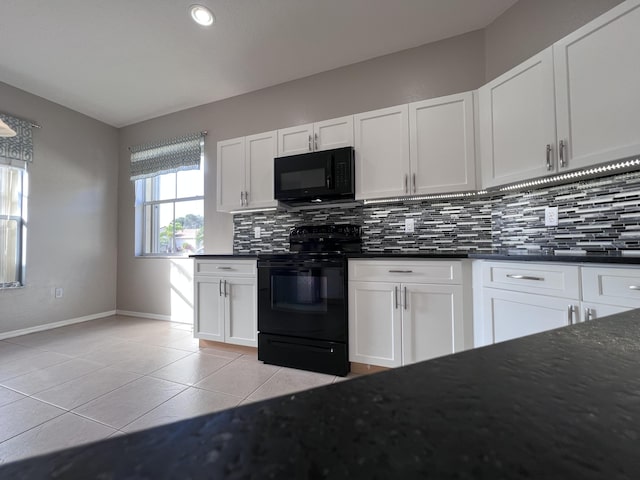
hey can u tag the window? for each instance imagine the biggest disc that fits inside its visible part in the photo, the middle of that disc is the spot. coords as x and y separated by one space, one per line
169 185
16 152
171 213
13 194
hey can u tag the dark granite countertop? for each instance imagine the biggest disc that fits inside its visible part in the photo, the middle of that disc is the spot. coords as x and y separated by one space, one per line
591 257
222 256
563 404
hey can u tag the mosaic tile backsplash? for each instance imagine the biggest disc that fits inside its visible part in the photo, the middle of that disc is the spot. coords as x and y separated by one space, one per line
598 214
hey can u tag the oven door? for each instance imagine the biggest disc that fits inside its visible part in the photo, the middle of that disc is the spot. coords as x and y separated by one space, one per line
305 299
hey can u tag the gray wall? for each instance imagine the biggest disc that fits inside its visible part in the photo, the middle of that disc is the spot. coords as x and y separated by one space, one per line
441 68
532 25
72 233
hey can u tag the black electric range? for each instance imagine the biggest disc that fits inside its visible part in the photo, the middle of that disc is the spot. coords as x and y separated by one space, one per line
302 300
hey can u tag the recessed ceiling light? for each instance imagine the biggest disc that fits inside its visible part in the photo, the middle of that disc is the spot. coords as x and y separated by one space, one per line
201 15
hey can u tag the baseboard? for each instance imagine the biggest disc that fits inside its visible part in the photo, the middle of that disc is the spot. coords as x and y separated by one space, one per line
151 316
49 326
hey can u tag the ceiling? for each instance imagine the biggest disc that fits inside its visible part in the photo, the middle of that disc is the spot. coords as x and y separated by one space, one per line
124 61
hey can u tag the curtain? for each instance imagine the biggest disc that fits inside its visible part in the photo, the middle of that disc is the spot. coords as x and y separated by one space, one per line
18 150
182 153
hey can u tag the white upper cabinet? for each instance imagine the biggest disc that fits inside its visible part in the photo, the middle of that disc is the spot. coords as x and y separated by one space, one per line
260 150
382 152
517 123
245 172
597 72
231 174
295 140
442 145
325 135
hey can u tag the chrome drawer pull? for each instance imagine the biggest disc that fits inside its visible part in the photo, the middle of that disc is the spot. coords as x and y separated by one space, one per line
224 268
395 295
570 314
400 271
634 287
524 277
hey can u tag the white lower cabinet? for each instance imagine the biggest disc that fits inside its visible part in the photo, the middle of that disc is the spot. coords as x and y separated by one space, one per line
394 321
514 314
226 301
523 298
609 290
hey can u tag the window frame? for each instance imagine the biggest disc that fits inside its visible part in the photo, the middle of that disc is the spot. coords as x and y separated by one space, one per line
21 230
144 225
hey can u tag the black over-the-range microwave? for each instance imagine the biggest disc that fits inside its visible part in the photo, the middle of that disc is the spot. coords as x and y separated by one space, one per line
315 177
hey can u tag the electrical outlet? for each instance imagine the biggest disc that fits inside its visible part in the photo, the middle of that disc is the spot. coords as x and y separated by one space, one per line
551 216
59 292
256 232
409 225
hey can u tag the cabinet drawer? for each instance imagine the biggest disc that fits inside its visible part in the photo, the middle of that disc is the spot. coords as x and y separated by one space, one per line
552 280
227 268
612 286
414 271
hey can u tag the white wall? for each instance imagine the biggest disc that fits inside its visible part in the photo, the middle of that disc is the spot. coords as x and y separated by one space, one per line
72 231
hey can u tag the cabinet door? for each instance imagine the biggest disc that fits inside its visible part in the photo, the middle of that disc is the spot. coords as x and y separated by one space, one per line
382 153
334 133
209 309
261 149
517 122
516 315
431 321
241 314
231 174
375 327
295 140
597 78
442 148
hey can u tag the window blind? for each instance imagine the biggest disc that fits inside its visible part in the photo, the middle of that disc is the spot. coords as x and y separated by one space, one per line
168 156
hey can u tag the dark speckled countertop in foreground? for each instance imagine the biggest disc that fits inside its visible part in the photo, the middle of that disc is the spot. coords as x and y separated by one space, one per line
563 404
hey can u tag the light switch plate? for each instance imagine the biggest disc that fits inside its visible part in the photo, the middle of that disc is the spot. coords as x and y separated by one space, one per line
256 232
551 216
409 225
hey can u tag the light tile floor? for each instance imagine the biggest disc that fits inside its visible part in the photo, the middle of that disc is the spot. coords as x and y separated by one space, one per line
77 384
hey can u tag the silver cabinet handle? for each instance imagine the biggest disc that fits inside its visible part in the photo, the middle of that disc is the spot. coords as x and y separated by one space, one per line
224 268
219 288
315 141
246 199
634 287
414 183
406 183
524 277
561 148
549 162
400 271
405 299
225 289
395 295
588 314
310 149
570 314
242 199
